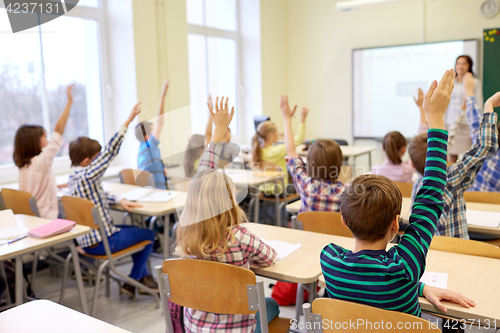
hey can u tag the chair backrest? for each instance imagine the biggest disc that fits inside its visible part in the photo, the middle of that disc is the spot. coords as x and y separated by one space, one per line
136 177
209 286
21 202
465 246
324 222
179 183
483 197
79 210
338 312
345 175
405 189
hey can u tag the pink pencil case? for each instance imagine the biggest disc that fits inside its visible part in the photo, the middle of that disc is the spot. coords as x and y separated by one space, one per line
53 228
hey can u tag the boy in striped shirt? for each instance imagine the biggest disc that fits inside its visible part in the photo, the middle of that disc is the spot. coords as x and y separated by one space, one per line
371 207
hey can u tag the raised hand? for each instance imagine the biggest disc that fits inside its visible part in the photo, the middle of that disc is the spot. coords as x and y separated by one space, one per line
210 104
221 119
303 113
69 92
164 88
492 102
436 295
420 98
135 111
285 108
437 98
469 84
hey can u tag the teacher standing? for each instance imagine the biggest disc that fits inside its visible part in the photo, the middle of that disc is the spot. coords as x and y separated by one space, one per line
456 120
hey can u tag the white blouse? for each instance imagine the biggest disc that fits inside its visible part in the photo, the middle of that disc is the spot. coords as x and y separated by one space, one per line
457 100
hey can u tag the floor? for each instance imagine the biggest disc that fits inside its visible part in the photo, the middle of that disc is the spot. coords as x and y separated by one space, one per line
135 315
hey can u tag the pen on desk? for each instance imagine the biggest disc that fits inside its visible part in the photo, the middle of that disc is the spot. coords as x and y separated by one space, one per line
15 240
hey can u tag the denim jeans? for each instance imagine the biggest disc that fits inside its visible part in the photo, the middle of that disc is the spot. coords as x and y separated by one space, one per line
272 310
126 237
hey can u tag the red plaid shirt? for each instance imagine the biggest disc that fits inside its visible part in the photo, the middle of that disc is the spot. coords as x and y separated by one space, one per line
247 249
315 194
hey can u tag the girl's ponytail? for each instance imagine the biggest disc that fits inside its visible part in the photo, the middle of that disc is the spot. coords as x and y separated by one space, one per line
392 145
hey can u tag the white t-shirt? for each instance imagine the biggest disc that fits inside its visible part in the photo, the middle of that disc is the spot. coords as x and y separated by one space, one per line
39 179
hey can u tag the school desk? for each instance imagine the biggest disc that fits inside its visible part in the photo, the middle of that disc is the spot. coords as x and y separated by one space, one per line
159 209
29 244
406 211
42 316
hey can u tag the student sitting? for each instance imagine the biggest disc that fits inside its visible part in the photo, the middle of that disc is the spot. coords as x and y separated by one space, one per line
317 182
265 149
371 207
148 135
85 182
461 175
210 229
394 168
34 155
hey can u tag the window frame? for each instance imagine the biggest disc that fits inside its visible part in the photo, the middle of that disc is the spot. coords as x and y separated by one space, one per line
236 36
62 164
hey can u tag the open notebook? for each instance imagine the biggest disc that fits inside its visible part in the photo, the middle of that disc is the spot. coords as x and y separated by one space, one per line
149 194
283 249
483 219
8 226
438 280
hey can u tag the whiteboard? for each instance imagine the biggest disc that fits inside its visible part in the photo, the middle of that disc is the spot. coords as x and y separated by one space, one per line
385 79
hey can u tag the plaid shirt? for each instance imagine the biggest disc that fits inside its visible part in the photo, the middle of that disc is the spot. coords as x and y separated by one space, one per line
488 178
460 176
315 194
85 182
247 249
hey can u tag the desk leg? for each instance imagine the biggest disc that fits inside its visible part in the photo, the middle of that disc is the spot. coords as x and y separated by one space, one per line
370 160
313 290
353 166
277 202
19 280
166 238
256 194
78 274
299 300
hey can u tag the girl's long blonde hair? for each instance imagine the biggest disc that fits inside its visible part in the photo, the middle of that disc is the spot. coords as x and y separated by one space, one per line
264 129
210 214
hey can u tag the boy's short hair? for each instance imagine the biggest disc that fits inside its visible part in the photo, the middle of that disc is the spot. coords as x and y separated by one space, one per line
82 148
418 152
324 160
141 129
368 206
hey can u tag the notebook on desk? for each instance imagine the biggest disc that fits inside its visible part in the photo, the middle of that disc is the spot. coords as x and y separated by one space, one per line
283 249
150 194
9 228
483 219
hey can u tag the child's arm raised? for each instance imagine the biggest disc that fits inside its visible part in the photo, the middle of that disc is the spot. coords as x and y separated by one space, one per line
221 118
287 118
160 120
462 174
63 118
423 127
99 165
428 204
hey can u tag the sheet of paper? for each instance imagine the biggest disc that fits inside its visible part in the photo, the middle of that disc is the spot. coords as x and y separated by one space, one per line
138 193
438 280
283 249
9 227
483 219
159 196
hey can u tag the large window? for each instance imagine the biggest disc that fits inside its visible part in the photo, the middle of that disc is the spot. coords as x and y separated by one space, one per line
213 45
37 65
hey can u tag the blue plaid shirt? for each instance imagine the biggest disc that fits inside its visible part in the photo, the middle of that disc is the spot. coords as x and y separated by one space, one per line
461 175
85 182
150 159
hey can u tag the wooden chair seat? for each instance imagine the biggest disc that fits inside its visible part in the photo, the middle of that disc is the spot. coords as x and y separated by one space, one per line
114 254
290 198
279 325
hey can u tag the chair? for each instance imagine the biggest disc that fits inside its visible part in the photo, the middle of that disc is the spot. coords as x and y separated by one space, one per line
179 183
214 287
336 312
83 212
322 222
405 189
137 177
465 246
483 197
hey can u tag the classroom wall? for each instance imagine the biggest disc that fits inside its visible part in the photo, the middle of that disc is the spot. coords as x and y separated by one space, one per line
310 46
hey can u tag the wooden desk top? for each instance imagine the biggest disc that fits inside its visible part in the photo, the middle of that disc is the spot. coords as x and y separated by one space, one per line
30 244
474 277
406 211
245 178
347 151
148 208
44 316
